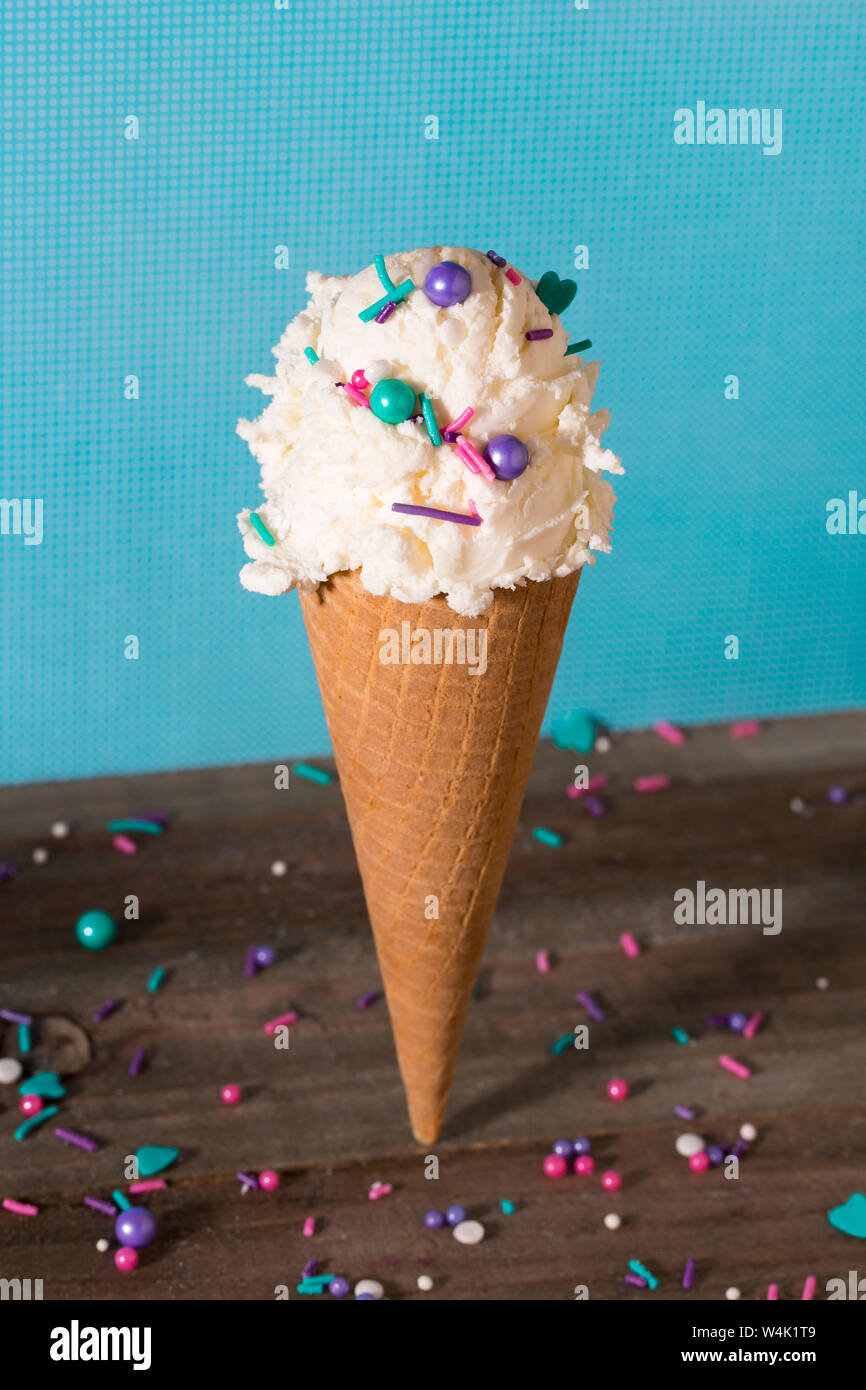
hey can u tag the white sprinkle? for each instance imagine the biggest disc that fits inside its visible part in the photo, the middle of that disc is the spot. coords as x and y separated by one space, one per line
278 868
748 1132
425 1283
60 830
40 855
469 1232
10 1070
369 1286
689 1144
732 1294
612 1221
102 1245
602 744
245 1187
822 982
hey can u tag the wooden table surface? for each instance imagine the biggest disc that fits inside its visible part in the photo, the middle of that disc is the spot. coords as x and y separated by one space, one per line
329 1112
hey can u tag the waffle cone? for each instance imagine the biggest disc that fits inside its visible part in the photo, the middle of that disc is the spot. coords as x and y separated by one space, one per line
433 762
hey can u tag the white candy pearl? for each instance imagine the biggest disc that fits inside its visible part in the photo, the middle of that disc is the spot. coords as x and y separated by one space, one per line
469 1232
10 1070
40 856
60 830
822 982
602 744
425 1283
612 1221
278 868
377 370
102 1245
369 1286
732 1294
748 1132
688 1144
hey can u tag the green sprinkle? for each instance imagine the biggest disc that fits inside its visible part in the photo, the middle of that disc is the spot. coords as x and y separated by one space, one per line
24 1038
313 774
430 419
396 294
578 347
546 837
23 1130
137 827
156 979
121 1199
387 282
315 1285
311 356
681 1036
638 1268
566 1041
507 1207
259 525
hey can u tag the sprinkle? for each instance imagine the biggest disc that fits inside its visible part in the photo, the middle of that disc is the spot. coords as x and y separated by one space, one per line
152 1185
107 1008
355 395
680 1035
753 1025
20 1208
593 785
462 419
470 456
23 1130
312 774
542 962
315 1285
367 999
636 1280
137 827
387 282
12 1017
717 1020
450 436
688 1273
80 1141
430 419
137 1061
472 507
124 844
121 1199
629 945
669 732
746 728
736 1068
309 1227
7 872
590 1005
739 1149
595 807
394 295
435 513
644 1273
577 347
156 979
567 1040
652 784
497 260
684 1112
24 1038
511 274
259 526
250 966
276 1023
379 1189
546 837
107 1208
250 1182
773 1291
309 1269
507 1207
384 314
535 334
809 1288
311 356
837 796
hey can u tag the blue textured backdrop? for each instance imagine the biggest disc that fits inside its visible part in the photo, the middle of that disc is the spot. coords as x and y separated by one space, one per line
306 127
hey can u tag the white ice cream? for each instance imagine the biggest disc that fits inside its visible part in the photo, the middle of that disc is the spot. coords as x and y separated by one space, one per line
331 469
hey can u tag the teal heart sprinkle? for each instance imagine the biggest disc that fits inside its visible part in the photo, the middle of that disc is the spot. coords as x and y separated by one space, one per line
555 294
44 1083
850 1218
153 1158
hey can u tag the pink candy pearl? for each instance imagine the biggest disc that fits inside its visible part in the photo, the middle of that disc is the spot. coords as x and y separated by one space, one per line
699 1163
617 1089
611 1182
269 1180
585 1164
554 1166
359 381
126 1258
31 1105
230 1094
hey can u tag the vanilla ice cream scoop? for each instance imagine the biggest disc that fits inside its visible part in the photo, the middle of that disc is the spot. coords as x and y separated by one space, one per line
363 394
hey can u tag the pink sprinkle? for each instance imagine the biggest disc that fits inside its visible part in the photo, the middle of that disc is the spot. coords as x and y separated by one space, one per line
462 419
276 1023
472 507
542 962
355 395
773 1291
511 274
470 455
753 1025
593 785
746 728
152 1185
736 1067
669 732
809 1288
124 844
379 1189
310 1226
20 1208
629 945
652 784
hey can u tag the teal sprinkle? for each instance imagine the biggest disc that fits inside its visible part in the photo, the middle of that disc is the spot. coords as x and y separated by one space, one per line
121 1199
313 774
23 1130
311 356
259 525
566 1041
578 347
576 731
507 1207
387 282
546 837
430 419
24 1038
396 294
638 1268
681 1036
156 979
315 1285
138 827
45 1083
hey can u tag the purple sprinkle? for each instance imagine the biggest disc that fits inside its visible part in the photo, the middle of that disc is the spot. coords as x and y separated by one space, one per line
158 817
367 999
251 965
838 795
309 1268
535 333
590 1005
594 806
636 1280
137 1061
717 1020
12 1017
450 435
436 514
107 1008
739 1148
7 872
497 260
415 419
70 1137
107 1208
688 1273
248 1179
386 313
339 383
684 1112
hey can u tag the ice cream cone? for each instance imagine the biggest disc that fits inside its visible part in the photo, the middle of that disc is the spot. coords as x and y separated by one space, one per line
433 760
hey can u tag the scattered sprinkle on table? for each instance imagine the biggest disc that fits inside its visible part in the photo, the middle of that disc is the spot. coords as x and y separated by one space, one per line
80 1141
156 979
60 829
629 945
680 1035
435 514
283 1021
636 1281
684 1112
24 1043
379 1189
688 1273
773 1291
309 1228
248 1180
124 844
733 1294
134 827
590 1005
35 1120
745 728
107 1208
542 962
567 1040
809 1288
753 1025
507 1207
367 999
150 1185
137 1062
736 1068
20 1208
546 837
11 1016
278 868
655 783
669 732
259 526
312 774
644 1273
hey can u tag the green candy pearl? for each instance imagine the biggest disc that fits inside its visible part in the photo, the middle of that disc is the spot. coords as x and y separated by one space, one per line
95 930
392 401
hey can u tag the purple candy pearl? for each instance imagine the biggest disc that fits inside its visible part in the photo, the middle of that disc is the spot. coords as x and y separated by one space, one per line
265 956
433 1220
135 1227
716 1155
447 284
564 1148
454 1215
737 1021
582 1146
339 1287
838 795
507 456
364 1298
